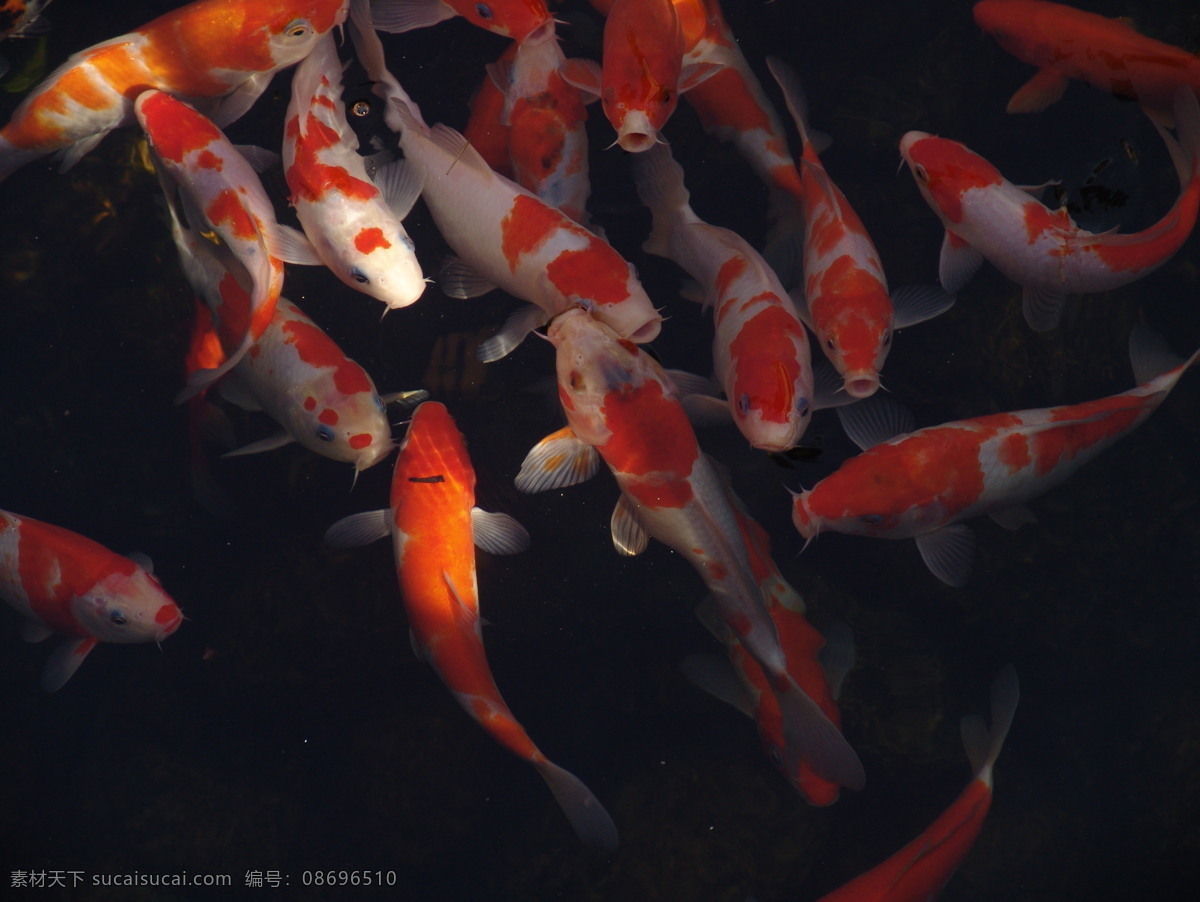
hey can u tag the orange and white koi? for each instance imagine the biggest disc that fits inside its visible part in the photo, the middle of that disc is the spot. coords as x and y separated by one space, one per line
760 347
921 484
504 235
621 407
642 72
920 870
19 17
347 217
844 298
219 190
1043 250
62 582
226 50
434 526
514 19
1064 42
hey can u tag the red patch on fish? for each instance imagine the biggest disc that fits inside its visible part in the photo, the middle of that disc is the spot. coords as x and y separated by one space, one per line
528 224
319 350
370 239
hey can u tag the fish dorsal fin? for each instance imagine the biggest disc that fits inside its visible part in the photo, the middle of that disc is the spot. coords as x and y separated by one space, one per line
949 553
65 660
559 460
465 615
497 533
628 534
914 304
875 420
359 529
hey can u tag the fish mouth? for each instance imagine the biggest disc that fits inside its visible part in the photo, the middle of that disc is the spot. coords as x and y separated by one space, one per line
907 142
541 33
862 384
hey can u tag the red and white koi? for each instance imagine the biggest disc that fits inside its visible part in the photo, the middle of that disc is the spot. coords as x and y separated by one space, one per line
1043 250
434 526
1064 42
505 236
760 347
920 870
515 19
62 582
345 215
227 50
844 298
621 407
921 484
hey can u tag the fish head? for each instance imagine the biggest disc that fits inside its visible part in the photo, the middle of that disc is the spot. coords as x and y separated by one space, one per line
593 364
806 522
642 65
339 419
944 171
128 605
294 30
516 19
773 411
857 339
382 266
1010 22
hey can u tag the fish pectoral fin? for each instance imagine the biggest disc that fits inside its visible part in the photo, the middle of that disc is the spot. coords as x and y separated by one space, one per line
697 73
259 158
1039 92
685 383
829 388
1013 517
73 153
398 16
876 419
497 533
233 390
35 631
359 529
408 399
837 657
1043 308
466 615
459 279
628 534
519 324
949 553
292 246
716 676
400 184
231 107
957 263
270 443
65 660
583 74
557 461
912 304
706 410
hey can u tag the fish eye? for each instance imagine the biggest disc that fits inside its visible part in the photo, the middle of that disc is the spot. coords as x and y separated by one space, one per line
359 276
116 617
775 755
920 173
665 97
829 343
743 404
484 11
887 338
324 433
575 381
873 519
360 108
802 407
379 404
298 28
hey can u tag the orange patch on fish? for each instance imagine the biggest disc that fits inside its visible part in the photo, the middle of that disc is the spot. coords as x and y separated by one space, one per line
319 350
528 224
370 239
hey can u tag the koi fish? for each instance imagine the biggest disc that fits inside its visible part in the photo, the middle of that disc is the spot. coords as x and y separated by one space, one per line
921 484
435 525
1043 250
345 215
919 871
504 235
760 347
226 50
642 73
845 299
218 190
65 583
20 17
621 407
1108 54
515 19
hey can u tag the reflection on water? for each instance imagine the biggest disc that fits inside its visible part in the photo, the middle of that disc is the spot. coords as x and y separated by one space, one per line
287 726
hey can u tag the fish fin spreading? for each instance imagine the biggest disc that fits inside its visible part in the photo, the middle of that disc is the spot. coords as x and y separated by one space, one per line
458 279
829 388
270 443
983 745
1042 307
398 16
1046 87
592 824
497 533
629 536
400 185
706 410
35 631
914 304
810 736
519 324
1150 355
949 553
876 419
557 461
716 676
583 74
957 263
73 153
236 103
65 660
1013 517
837 656
292 246
359 529
259 158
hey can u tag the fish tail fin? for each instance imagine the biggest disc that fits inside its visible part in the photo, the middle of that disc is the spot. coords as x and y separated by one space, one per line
1151 356
983 745
13 158
810 736
660 185
587 816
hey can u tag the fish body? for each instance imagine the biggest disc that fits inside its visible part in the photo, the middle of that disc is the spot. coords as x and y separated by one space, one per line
435 527
919 871
343 212
62 582
226 50
1043 250
619 402
917 484
516 19
760 349
1064 43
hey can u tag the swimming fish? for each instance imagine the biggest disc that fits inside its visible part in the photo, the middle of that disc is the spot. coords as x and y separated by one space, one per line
65 583
921 484
223 50
1043 250
515 19
434 526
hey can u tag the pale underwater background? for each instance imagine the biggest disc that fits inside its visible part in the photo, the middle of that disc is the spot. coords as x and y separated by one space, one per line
288 727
